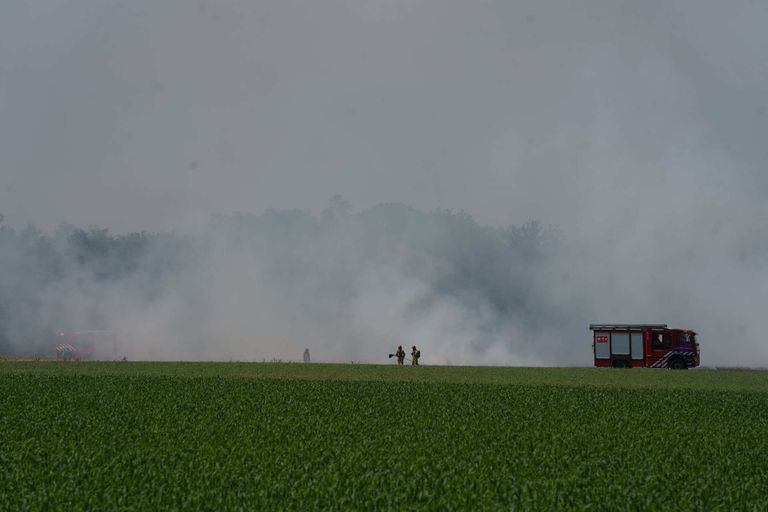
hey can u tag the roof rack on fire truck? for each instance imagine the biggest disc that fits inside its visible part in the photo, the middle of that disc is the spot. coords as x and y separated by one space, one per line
597 327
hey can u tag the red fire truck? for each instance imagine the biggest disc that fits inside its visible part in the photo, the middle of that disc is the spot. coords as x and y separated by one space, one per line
644 345
83 345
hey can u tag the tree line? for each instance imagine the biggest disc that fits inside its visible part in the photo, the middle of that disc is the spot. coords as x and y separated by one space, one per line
55 281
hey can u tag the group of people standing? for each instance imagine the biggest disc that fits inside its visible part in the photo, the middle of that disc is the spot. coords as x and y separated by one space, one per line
415 355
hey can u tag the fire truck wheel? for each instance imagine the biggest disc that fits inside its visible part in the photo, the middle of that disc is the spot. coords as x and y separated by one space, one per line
678 364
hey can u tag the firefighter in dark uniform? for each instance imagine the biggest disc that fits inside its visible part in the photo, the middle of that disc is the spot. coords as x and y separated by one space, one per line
415 355
400 354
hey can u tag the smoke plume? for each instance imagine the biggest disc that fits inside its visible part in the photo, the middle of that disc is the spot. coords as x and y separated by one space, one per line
634 130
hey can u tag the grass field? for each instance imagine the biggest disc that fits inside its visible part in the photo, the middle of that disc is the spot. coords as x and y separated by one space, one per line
183 436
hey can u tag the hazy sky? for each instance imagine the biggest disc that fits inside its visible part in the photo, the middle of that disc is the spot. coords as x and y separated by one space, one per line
151 114
638 127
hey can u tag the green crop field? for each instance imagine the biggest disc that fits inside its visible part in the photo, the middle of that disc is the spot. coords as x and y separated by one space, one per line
229 436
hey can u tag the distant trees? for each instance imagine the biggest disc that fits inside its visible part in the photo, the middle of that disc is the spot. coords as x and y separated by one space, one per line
40 273
447 251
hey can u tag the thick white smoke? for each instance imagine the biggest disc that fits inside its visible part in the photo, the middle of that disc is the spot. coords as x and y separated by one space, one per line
636 128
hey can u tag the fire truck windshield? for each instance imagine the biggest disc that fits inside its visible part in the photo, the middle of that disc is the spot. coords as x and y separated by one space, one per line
687 337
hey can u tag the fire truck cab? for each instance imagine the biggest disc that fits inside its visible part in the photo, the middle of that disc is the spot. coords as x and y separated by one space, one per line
644 345
85 345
